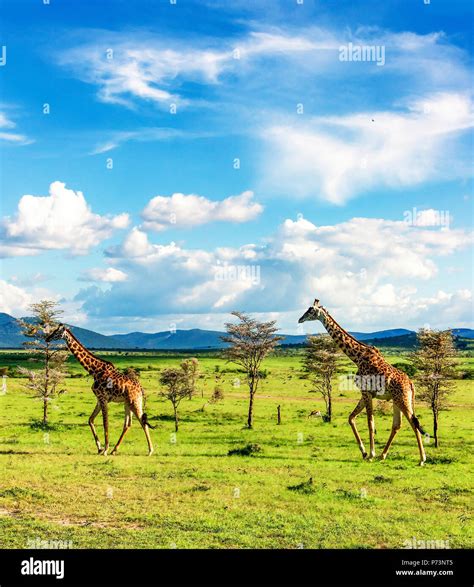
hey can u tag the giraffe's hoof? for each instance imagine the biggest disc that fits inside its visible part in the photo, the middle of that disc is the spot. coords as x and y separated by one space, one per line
422 463
382 457
364 456
113 453
100 451
150 452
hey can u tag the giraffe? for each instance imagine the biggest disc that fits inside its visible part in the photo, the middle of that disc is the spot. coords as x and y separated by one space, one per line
110 385
375 378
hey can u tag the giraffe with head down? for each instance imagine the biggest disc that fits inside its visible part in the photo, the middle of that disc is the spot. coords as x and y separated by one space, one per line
390 383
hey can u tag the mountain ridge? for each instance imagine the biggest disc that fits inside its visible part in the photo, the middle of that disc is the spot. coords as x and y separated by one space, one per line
192 339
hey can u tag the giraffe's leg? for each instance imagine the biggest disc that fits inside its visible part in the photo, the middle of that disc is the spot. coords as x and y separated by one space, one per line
396 425
371 423
126 425
105 419
138 411
91 424
357 410
408 413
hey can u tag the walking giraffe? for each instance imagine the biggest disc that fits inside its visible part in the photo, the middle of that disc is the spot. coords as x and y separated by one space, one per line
110 385
372 367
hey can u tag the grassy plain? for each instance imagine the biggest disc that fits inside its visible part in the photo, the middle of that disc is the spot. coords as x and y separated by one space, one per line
307 488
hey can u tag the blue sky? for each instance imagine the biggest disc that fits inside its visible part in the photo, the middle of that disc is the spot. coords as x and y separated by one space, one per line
163 164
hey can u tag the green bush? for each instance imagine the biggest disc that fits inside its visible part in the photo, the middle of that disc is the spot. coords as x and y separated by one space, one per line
246 451
407 368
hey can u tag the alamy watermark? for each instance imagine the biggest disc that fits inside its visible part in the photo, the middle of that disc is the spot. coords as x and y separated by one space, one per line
351 52
415 543
415 217
372 383
248 273
39 543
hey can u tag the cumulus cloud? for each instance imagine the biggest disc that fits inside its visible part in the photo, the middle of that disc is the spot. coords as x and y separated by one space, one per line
181 210
337 157
62 220
299 262
107 275
14 300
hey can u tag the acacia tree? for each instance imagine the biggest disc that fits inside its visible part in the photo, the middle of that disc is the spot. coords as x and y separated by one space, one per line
321 362
51 354
249 343
176 383
191 369
435 362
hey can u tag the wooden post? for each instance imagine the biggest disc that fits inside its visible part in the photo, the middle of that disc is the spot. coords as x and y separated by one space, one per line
278 415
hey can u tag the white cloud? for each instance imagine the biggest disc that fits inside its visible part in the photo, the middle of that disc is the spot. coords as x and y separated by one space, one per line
156 68
62 220
108 275
368 270
141 135
15 300
337 157
7 135
181 210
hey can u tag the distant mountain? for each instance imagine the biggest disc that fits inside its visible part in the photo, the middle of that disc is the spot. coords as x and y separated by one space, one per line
406 341
10 333
380 334
178 340
464 332
11 337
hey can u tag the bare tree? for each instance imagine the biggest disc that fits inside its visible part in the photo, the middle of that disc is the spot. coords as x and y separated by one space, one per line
250 342
435 362
321 362
45 381
176 382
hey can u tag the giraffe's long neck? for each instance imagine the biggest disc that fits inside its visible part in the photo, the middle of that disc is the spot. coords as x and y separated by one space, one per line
355 350
90 362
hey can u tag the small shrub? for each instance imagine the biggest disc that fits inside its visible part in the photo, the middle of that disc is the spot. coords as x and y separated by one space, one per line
382 479
217 395
382 408
246 451
304 487
440 460
467 375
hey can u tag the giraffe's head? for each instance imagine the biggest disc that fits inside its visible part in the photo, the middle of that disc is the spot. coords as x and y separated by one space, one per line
56 334
314 312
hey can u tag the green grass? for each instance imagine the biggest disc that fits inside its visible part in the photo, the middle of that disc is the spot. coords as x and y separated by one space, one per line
307 486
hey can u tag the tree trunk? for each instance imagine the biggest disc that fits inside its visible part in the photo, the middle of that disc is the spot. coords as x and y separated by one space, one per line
329 414
250 416
435 428
278 415
45 411
176 420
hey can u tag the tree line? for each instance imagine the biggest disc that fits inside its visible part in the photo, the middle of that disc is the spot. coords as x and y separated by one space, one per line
249 343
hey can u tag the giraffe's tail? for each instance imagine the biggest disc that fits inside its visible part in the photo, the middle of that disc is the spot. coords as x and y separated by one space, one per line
414 419
145 421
